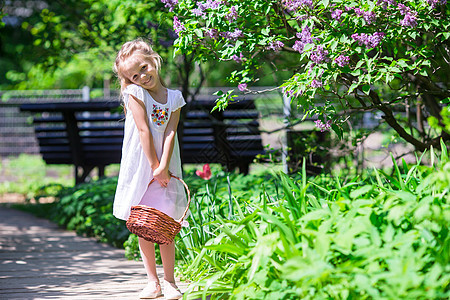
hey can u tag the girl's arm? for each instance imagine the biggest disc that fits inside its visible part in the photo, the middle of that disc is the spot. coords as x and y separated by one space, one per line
162 172
137 107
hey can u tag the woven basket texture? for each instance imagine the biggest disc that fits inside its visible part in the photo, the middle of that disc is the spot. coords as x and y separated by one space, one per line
154 225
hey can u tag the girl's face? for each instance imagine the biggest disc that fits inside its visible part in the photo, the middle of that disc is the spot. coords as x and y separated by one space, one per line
142 72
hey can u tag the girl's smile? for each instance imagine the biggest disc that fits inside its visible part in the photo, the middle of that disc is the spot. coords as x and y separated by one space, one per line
142 72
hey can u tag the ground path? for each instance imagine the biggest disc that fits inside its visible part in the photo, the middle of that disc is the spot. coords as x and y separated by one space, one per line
38 260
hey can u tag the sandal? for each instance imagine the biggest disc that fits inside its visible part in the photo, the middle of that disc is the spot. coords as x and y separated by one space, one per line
151 291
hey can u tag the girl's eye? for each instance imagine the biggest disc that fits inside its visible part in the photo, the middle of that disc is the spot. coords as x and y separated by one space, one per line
134 77
143 67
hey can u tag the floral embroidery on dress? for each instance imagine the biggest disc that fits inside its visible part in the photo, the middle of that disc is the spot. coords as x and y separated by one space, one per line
159 115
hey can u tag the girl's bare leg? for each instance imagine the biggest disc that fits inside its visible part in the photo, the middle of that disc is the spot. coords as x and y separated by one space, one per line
148 257
168 260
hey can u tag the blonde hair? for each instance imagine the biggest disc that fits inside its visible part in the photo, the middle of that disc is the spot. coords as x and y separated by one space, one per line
135 47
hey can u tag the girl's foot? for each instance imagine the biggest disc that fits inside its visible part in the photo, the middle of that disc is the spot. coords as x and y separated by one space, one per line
151 291
171 291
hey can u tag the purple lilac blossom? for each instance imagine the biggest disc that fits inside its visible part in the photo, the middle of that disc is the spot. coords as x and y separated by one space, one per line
170 4
294 5
305 35
368 16
239 59
370 41
323 127
305 38
298 46
198 12
435 3
403 9
177 26
385 3
342 60
289 93
242 87
337 14
275 46
232 35
302 17
212 33
319 55
409 20
232 14
316 83
209 4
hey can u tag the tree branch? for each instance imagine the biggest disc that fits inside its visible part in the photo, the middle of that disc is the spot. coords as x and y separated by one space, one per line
390 119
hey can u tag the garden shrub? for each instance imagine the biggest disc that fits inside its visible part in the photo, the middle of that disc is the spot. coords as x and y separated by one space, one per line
384 236
87 209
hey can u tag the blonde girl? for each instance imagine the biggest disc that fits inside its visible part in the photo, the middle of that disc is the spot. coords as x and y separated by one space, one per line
150 150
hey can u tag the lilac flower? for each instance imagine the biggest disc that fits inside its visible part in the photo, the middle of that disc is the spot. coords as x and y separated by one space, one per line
375 39
275 46
385 3
210 4
323 127
409 20
319 55
342 60
305 35
289 93
435 3
212 33
370 41
170 4
239 59
368 16
316 83
359 12
337 14
403 9
177 26
198 12
242 87
294 5
298 46
232 14
232 35
305 38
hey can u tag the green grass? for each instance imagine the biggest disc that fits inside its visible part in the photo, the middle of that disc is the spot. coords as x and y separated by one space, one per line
27 174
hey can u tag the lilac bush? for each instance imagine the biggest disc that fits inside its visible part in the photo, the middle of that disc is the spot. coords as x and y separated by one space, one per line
351 56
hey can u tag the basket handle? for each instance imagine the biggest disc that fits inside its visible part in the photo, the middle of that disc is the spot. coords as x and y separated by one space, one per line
188 194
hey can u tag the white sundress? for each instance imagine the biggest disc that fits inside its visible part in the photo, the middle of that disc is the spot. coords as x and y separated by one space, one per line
135 171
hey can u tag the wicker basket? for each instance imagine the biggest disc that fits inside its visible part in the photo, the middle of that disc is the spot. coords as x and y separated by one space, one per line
154 225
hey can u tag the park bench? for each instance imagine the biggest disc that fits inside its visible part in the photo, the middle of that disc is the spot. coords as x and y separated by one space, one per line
89 135
231 137
85 134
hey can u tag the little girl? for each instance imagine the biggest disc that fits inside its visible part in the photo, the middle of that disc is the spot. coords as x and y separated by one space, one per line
150 150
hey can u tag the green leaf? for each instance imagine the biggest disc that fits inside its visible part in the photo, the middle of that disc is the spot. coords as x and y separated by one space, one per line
361 191
366 89
352 87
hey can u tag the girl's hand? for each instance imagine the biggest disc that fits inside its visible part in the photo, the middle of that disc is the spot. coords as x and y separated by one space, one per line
162 175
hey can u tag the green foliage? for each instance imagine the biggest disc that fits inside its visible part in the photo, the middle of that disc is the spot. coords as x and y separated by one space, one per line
384 236
30 176
343 56
87 209
71 49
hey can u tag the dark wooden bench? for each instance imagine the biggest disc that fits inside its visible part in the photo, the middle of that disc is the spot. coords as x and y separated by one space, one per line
89 135
231 137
